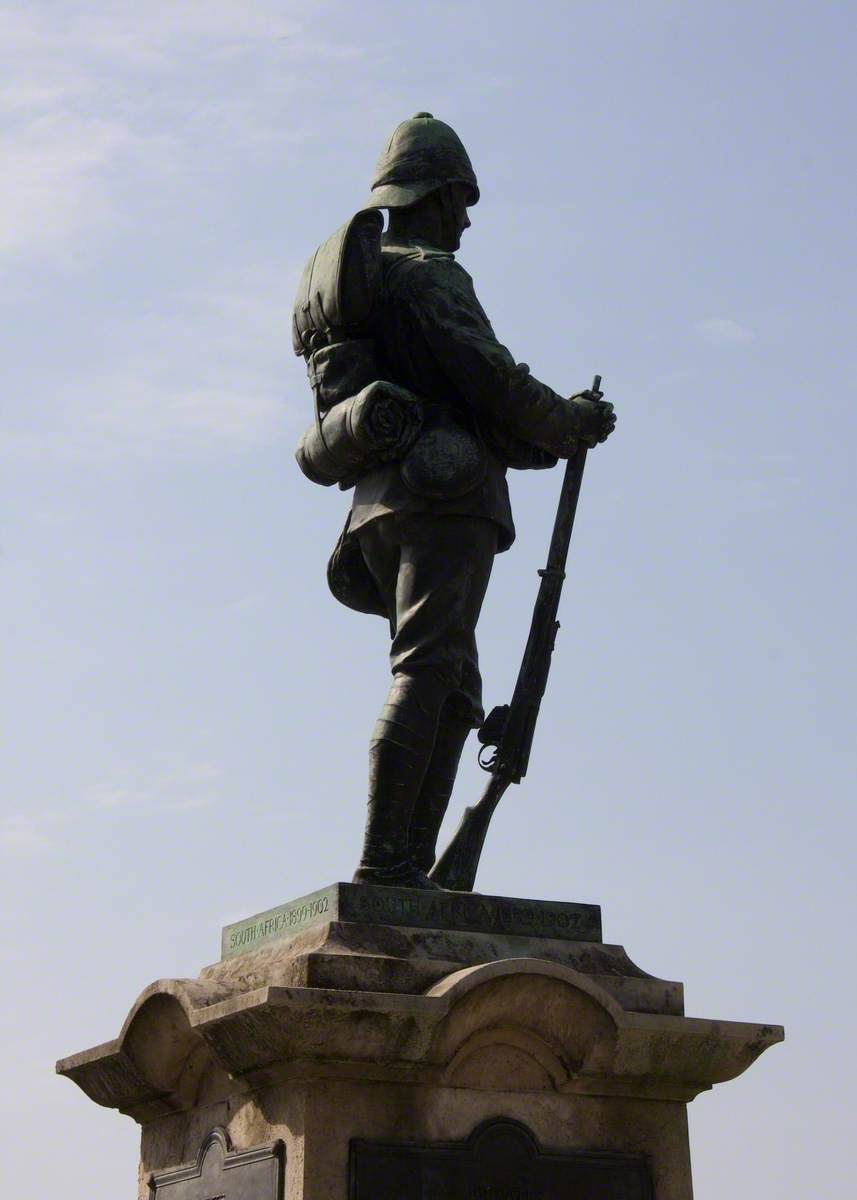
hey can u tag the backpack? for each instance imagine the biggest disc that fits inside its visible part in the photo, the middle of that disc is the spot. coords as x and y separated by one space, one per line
337 301
332 329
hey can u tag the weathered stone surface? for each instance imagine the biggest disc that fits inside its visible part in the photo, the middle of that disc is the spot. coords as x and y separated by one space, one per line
382 958
352 1032
415 907
561 1028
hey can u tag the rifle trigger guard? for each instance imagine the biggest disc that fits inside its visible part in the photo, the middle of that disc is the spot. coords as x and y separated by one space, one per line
487 758
490 735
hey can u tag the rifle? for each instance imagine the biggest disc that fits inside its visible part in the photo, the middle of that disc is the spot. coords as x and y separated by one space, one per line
507 733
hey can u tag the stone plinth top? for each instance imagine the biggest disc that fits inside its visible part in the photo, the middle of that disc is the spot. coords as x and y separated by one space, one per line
366 904
562 1031
346 1046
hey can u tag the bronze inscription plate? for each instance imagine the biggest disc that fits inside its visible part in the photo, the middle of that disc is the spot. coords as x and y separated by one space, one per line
500 1161
221 1173
367 904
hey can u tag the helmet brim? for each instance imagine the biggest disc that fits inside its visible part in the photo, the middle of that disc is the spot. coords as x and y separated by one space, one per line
402 195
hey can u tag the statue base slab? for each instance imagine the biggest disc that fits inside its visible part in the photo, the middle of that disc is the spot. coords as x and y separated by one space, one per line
369 1054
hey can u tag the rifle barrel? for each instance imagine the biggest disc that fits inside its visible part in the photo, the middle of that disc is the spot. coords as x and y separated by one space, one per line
457 866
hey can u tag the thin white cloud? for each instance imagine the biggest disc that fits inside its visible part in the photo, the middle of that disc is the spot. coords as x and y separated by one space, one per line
130 96
53 518
139 415
109 796
113 119
135 417
181 787
208 374
62 172
22 835
28 97
50 161
69 176
723 331
251 603
145 35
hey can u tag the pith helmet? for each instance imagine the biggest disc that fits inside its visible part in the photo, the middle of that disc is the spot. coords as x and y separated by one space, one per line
423 154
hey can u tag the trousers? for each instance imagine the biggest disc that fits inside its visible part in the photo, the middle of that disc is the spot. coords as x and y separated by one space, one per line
432 573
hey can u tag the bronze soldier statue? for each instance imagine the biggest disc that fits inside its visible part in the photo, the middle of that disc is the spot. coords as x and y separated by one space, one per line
422 410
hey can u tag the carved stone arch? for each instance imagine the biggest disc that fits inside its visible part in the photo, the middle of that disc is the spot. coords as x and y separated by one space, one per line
160 1040
506 1058
551 1007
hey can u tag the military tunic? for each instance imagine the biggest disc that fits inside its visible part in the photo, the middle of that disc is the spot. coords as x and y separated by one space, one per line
431 557
435 339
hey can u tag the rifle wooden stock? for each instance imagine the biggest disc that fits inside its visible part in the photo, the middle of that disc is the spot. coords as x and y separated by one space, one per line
456 868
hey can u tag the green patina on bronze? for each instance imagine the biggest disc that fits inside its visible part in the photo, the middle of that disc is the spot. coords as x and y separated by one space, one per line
422 411
422 155
366 904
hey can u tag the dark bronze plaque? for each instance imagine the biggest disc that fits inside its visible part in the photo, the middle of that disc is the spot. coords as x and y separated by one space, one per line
500 1161
221 1173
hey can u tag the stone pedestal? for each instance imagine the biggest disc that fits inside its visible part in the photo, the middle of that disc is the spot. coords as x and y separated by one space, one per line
365 1043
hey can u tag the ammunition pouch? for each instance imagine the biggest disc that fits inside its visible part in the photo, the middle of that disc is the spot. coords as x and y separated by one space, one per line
448 459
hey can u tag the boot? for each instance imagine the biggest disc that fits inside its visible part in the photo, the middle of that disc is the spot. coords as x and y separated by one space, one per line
399 754
436 790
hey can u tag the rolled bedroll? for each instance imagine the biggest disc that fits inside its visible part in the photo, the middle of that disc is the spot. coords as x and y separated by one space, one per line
377 425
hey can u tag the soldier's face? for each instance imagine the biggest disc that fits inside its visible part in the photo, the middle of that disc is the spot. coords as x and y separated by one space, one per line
456 211
460 198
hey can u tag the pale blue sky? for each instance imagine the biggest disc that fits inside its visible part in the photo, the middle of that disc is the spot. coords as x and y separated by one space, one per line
668 198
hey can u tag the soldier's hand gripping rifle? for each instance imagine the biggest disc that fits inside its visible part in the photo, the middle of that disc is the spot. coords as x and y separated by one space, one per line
507 734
